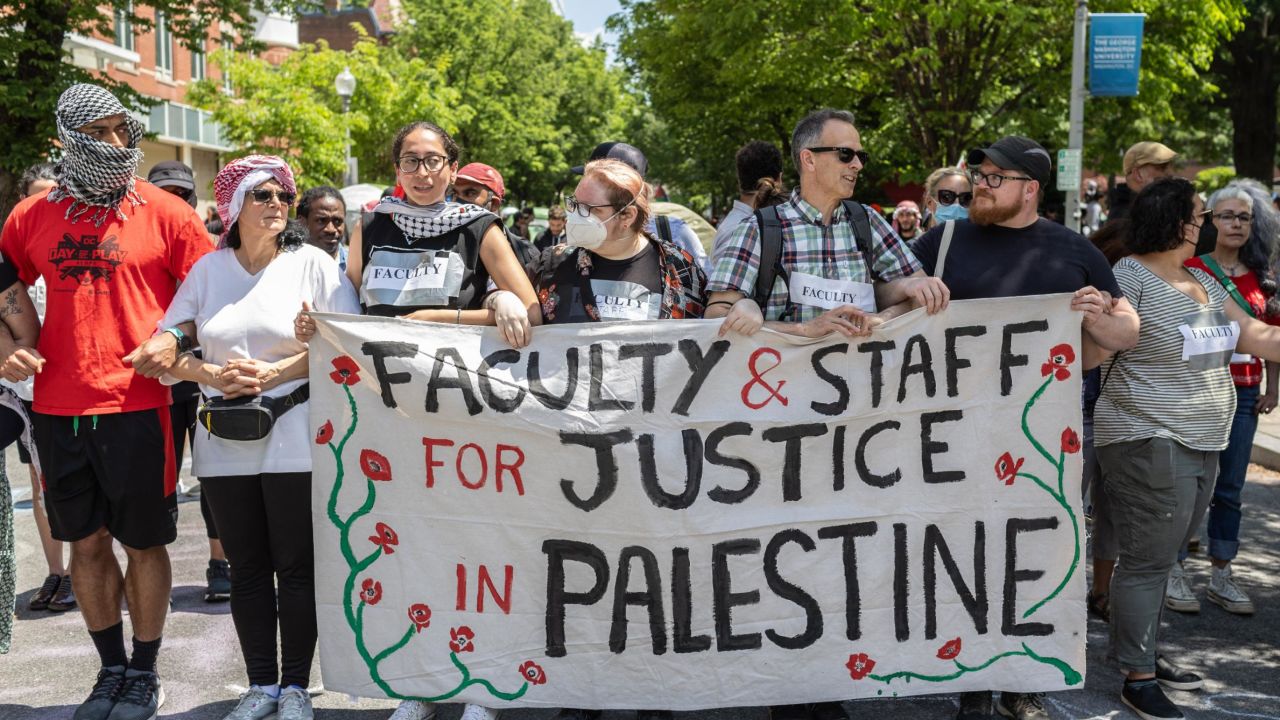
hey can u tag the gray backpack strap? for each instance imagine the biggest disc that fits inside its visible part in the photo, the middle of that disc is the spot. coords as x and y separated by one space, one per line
948 230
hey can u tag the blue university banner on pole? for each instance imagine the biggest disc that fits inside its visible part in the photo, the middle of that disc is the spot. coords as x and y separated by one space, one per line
1115 53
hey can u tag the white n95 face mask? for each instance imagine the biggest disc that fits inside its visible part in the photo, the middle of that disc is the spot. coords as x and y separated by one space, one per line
587 233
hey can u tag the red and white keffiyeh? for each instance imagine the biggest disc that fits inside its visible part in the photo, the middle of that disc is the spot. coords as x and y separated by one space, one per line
241 176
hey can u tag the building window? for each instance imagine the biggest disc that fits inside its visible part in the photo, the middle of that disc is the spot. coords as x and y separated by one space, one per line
197 65
225 67
164 46
124 28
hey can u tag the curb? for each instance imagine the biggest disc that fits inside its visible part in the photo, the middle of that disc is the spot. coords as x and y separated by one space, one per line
1266 451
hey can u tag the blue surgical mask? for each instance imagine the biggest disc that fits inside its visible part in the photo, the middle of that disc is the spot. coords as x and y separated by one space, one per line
954 211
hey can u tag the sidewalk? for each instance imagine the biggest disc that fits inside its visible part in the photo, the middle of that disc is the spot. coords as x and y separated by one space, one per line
52 663
1266 444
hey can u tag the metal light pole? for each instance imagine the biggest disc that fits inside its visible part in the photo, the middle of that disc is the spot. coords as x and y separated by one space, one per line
1075 136
345 84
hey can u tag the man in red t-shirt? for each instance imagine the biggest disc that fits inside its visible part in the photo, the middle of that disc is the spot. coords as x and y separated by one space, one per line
112 250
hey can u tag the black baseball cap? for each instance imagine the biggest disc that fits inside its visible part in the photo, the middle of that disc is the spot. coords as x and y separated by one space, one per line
629 154
1016 153
172 173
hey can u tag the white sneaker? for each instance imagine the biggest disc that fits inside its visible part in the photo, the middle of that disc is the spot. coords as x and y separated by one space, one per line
1177 592
1224 591
414 710
475 712
295 704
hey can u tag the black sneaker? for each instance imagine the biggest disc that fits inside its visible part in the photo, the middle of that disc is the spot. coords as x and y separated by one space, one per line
1022 706
140 698
1145 698
103 696
1176 678
40 601
219 578
828 711
975 706
65 598
790 712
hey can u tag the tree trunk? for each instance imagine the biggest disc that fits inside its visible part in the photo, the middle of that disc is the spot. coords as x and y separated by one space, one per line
1251 83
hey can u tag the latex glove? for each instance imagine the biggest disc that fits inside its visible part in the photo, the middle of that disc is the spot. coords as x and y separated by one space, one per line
511 317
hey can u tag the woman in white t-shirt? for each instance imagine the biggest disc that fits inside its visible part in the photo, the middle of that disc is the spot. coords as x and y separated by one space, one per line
242 300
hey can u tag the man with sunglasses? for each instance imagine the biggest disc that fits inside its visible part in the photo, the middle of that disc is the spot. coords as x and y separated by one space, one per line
1005 249
112 250
831 279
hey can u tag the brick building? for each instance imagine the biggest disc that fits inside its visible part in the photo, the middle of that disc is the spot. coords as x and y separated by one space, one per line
333 24
156 65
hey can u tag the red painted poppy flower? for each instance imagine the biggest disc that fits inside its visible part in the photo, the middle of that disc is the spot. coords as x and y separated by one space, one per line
860 665
420 614
1070 441
325 433
533 673
950 650
1007 468
460 639
345 371
370 591
1060 357
385 537
375 465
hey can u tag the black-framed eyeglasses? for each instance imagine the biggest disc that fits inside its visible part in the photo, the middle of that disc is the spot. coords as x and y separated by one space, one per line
574 205
409 164
993 180
845 154
1227 218
262 196
949 197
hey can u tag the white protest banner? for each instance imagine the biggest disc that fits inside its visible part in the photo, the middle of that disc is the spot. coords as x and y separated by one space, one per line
647 515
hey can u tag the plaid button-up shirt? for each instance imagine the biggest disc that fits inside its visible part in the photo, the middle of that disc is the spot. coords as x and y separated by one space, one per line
828 251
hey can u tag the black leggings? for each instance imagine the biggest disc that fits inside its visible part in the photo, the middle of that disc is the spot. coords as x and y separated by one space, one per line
182 415
265 523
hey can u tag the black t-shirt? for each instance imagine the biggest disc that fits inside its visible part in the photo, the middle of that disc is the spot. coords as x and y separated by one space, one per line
988 261
403 275
8 274
628 289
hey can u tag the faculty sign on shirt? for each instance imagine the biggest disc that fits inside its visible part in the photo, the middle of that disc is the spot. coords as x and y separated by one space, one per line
649 515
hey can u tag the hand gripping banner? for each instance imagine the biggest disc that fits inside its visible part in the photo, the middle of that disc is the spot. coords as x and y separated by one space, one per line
648 515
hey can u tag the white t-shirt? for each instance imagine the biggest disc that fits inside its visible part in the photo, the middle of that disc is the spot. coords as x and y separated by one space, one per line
731 220
239 316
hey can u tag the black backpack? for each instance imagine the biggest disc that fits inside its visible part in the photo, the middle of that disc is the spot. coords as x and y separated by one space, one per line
771 248
662 224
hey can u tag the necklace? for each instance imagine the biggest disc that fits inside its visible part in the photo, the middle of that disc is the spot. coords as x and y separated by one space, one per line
1232 269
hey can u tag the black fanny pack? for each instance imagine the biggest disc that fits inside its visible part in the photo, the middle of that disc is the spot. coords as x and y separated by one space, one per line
248 418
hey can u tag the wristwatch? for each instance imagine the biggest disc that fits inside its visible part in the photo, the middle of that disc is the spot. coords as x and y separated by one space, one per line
184 341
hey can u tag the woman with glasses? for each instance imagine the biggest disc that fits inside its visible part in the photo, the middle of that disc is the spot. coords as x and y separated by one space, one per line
947 194
1244 220
1161 421
611 270
240 303
421 257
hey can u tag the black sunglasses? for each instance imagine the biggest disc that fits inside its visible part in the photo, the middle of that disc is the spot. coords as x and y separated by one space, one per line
949 197
845 154
263 196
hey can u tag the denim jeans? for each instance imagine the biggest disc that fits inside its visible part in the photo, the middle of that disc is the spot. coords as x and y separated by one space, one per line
1157 489
1233 463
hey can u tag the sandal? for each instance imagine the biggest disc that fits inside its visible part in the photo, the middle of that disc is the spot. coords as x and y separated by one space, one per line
1099 606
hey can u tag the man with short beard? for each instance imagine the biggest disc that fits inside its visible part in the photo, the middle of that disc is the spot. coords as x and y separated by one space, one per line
1005 249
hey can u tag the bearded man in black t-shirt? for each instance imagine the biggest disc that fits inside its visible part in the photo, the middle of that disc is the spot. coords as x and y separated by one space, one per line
1005 249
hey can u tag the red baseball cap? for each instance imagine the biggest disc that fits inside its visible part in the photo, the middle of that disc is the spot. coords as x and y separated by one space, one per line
482 174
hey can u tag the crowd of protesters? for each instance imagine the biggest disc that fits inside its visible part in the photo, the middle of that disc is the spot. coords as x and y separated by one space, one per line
188 318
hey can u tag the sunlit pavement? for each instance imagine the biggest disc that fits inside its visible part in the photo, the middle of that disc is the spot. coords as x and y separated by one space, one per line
52 663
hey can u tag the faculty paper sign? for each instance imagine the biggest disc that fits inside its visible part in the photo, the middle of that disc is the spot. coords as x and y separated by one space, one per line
647 515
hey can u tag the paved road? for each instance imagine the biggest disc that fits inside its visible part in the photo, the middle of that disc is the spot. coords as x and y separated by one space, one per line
52 662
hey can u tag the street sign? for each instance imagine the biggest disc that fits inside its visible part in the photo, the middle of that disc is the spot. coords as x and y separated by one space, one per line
1069 170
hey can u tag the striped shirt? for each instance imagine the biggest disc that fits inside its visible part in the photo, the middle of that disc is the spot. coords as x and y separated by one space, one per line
827 251
1151 390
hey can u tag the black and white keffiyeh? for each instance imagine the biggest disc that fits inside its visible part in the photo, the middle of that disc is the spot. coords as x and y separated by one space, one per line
417 221
97 176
